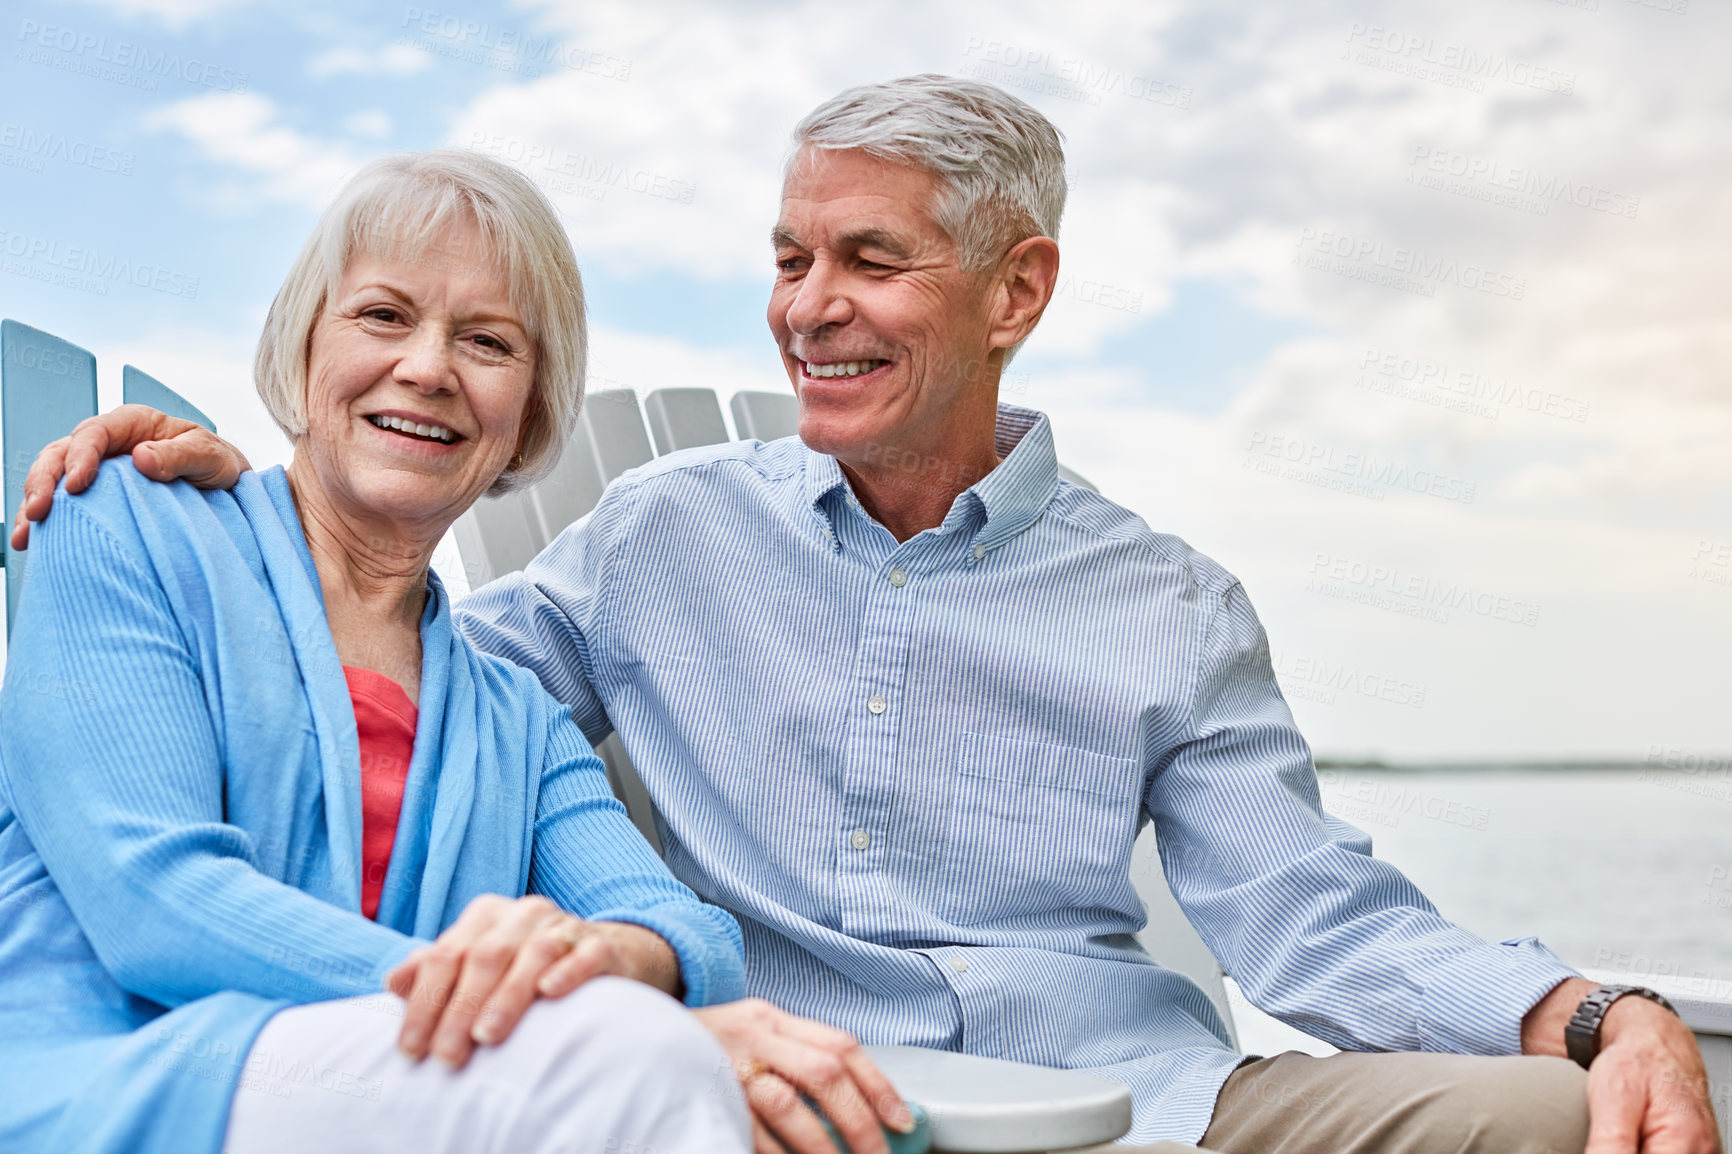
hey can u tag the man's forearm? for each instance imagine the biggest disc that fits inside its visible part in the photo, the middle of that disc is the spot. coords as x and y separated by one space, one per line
1543 1025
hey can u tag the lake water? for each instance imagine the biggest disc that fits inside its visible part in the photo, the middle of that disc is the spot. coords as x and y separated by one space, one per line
1624 869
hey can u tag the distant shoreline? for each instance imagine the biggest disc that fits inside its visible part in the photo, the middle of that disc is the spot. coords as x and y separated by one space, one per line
1621 765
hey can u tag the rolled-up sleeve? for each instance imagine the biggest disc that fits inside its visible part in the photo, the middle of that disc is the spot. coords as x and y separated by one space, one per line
591 860
1315 930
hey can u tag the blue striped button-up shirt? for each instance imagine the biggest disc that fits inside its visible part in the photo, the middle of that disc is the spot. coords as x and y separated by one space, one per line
914 771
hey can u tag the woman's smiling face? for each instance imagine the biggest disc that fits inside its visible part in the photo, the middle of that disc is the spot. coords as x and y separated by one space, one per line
419 378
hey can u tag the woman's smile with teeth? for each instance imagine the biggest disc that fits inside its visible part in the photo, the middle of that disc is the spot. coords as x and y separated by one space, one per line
841 369
426 432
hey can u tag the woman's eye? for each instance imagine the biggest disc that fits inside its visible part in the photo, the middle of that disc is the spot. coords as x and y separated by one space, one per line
388 316
492 344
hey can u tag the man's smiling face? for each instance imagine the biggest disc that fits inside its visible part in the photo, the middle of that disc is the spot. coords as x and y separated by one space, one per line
882 331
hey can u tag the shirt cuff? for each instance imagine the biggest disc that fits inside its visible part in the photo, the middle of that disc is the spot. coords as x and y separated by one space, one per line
1475 1003
712 965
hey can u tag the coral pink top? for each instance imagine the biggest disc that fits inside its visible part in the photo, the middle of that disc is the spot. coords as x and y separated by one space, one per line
385 724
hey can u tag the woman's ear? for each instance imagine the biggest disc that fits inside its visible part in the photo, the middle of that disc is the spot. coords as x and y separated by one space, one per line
534 413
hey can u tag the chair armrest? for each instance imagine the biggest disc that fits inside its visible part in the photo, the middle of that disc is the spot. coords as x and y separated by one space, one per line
1704 1003
980 1105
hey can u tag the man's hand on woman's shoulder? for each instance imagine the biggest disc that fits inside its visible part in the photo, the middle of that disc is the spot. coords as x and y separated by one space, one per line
163 447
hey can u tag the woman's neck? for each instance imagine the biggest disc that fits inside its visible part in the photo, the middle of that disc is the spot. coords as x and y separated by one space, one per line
373 572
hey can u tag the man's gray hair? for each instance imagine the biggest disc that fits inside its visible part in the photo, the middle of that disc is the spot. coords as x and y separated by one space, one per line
405 207
999 163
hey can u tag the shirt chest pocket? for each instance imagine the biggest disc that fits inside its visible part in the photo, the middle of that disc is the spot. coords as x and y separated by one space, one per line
1038 830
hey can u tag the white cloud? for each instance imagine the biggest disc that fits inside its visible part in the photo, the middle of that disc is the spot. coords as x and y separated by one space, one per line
244 131
371 122
387 60
175 14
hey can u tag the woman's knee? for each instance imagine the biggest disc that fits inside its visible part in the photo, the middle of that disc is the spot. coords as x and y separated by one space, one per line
618 1059
625 1024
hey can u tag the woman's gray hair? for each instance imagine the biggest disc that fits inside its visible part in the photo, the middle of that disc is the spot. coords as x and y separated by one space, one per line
999 163
400 207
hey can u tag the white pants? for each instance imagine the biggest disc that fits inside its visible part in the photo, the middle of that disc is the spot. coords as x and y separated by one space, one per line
614 1068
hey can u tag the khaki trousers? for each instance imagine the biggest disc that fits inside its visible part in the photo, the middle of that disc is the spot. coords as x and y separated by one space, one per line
1395 1104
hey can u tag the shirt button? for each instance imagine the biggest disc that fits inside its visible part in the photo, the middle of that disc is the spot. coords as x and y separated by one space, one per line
979 552
960 965
860 839
876 703
898 578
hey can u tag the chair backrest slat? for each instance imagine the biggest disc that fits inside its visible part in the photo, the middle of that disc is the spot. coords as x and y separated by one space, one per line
684 419
47 385
498 535
1168 936
138 387
765 416
609 439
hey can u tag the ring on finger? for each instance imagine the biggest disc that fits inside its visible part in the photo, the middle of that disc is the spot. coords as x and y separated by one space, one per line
564 935
752 1070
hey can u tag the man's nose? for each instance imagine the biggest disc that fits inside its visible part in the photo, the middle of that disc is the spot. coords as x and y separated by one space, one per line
819 300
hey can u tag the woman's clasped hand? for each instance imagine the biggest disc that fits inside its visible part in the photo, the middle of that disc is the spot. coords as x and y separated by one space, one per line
474 983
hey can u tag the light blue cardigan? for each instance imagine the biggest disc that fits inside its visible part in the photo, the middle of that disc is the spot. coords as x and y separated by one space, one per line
180 814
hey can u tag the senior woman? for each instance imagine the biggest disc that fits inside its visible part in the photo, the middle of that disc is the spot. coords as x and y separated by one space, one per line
271 778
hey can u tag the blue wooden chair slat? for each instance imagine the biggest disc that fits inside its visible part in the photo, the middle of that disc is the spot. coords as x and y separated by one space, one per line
138 387
47 385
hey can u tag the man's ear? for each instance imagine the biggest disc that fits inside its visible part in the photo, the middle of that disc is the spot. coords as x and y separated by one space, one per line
1023 286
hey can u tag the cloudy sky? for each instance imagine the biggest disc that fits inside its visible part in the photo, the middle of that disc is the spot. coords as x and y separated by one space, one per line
1414 316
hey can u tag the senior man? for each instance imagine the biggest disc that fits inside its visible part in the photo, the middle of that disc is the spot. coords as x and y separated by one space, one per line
906 720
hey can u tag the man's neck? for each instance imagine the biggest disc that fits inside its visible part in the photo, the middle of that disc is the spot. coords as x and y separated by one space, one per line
910 487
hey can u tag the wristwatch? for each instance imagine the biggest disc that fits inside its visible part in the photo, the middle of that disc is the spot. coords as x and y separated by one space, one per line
1582 1035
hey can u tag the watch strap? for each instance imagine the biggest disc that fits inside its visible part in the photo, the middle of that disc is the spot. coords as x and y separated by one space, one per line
1582 1034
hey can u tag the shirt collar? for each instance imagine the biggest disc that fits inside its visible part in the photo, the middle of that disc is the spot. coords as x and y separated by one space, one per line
1011 496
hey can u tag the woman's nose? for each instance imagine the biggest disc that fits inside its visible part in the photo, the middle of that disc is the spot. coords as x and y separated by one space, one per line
427 362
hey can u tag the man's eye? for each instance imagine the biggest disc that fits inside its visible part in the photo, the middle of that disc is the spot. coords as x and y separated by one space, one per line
790 264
